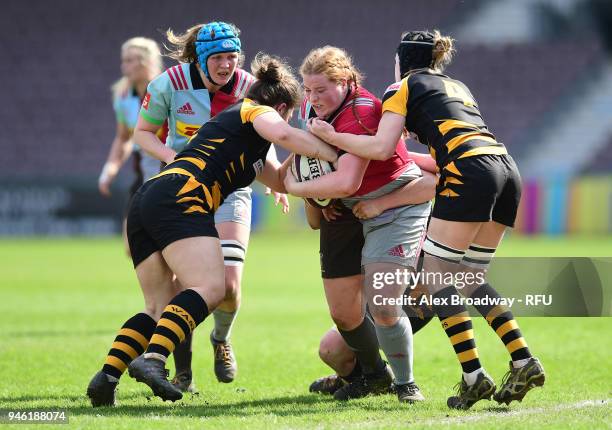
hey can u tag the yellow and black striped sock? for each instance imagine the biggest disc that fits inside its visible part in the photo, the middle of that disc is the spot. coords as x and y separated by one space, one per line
183 355
182 315
458 327
420 314
502 321
131 341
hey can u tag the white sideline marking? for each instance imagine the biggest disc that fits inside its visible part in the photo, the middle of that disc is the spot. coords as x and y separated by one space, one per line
486 415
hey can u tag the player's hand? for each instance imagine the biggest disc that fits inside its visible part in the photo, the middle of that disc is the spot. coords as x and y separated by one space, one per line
321 129
290 182
104 182
104 188
330 213
279 198
169 158
367 209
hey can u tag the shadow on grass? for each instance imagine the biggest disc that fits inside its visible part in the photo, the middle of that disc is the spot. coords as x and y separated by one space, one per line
35 334
58 397
498 409
199 406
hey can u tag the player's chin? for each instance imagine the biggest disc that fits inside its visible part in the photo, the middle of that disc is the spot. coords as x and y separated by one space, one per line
321 113
223 79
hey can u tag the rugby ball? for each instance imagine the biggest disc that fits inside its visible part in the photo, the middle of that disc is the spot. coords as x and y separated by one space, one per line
306 168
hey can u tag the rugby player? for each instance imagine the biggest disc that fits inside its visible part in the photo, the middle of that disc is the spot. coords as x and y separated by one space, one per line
391 240
207 80
477 198
171 226
141 62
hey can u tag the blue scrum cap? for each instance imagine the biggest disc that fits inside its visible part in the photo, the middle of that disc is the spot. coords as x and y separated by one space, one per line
215 38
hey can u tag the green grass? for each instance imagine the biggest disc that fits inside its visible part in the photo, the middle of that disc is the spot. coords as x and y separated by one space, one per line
64 299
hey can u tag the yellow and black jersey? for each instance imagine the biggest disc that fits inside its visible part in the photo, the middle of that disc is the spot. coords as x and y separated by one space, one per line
443 115
225 154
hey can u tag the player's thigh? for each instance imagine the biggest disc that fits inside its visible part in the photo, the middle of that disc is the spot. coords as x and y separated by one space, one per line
340 244
233 218
454 234
344 299
198 264
155 279
489 234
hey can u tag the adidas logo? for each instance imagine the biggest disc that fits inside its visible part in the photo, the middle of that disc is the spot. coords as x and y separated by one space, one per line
397 251
186 109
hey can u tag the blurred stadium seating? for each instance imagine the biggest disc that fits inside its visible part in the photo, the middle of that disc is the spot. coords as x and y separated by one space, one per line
60 59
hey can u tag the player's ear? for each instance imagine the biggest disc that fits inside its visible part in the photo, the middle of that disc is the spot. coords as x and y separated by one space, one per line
282 110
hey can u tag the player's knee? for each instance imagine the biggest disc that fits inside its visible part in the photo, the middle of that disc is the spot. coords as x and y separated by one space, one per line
154 310
345 319
385 317
232 287
213 292
329 347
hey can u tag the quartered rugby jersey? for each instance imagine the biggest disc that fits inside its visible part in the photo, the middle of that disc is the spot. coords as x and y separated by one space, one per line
443 115
126 106
179 95
361 115
225 154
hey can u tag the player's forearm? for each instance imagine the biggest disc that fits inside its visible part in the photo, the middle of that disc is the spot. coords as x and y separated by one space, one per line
425 162
151 144
418 191
363 146
114 161
273 175
305 143
331 186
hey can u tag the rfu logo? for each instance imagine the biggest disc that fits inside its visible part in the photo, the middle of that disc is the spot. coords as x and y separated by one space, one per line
258 166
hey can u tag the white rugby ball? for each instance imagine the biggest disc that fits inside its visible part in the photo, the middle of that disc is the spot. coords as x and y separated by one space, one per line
306 168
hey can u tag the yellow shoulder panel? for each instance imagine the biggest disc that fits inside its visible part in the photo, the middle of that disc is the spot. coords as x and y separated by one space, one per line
398 102
249 110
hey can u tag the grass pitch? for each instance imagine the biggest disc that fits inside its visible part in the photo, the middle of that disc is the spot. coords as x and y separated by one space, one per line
64 299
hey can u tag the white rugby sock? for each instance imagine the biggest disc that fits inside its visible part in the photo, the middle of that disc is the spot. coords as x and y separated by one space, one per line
470 378
520 363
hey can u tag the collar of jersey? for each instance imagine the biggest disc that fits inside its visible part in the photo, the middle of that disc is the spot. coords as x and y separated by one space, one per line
333 116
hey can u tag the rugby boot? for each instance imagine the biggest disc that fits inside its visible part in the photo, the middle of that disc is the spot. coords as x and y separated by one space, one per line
225 361
327 384
377 383
101 391
184 382
517 382
152 372
467 395
408 393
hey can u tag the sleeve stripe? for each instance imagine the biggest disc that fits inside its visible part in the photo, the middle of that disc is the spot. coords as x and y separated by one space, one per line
180 69
246 84
239 83
172 79
177 77
150 118
243 88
